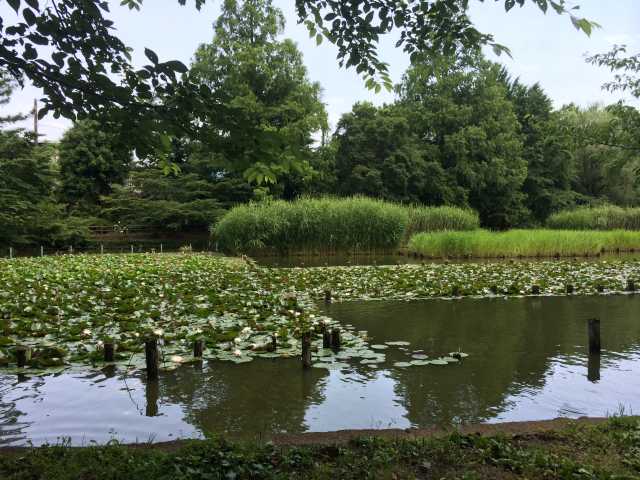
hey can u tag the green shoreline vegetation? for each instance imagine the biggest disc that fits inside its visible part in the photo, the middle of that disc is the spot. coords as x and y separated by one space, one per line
608 217
523 243
331 224
605 451
64 308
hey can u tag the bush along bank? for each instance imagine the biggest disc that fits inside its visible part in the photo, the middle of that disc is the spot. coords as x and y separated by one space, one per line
608 217
328 225
522 243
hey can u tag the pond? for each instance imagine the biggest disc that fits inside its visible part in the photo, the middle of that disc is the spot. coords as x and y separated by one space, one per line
527 361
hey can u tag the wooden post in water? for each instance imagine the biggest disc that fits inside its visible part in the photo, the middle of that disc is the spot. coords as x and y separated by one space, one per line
151 356
335 339
41 251
21 356
327 296
102 248
10 252
109 348
71 249
131 248
274 343
152 392
306 350
593 368
198 347
160 248
326 337
594 336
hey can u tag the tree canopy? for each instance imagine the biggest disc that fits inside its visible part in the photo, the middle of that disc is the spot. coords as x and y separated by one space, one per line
272 109
89 69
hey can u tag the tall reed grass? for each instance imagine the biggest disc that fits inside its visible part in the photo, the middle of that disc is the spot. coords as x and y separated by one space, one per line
522 243
607 217
436 219
329 224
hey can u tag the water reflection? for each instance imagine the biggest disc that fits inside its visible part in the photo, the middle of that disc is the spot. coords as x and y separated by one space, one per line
528 360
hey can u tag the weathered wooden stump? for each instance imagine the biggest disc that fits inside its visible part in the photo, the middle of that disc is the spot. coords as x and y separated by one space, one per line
109 349
594 336
152 358
21 356
335 339
593 367
306 350
198 347
326 337
327 296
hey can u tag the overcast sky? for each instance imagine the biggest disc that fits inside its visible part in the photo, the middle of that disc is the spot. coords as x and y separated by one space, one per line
546 49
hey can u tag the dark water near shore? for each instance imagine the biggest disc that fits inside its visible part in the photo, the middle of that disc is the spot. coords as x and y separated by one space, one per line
527 361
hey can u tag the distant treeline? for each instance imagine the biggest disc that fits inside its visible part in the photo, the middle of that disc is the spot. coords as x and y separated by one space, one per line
460 133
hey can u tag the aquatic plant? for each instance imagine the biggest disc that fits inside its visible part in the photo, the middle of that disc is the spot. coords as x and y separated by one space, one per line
358 224
608 217
65 308
522 243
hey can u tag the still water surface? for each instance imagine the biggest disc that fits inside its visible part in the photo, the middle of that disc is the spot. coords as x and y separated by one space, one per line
527 361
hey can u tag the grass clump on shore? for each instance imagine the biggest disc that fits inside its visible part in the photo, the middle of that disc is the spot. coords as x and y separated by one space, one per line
604 451
607 217
325 225
436 219
522 243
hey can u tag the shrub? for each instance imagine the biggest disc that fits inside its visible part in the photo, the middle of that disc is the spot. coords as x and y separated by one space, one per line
522 243
607 217
329 224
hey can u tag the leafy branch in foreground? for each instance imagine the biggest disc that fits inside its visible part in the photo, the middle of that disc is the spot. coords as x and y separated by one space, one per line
89 68
627 68
425 26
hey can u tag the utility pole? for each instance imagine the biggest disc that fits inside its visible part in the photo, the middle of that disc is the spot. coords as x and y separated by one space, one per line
35 120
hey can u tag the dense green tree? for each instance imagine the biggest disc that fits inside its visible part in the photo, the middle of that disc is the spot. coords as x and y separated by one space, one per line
91 160
272 109
163 202
378 155
29 213
602 143
460 110
549 169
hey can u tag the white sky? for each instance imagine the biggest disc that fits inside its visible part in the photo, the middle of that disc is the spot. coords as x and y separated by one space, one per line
546 49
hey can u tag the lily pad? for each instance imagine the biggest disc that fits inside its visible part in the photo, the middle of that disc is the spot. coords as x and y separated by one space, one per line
399 343
402 364
437 361
419 356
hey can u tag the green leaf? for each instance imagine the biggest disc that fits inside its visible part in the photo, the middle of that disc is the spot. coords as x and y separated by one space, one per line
151 55
15 4
318 39
177 66
29 16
